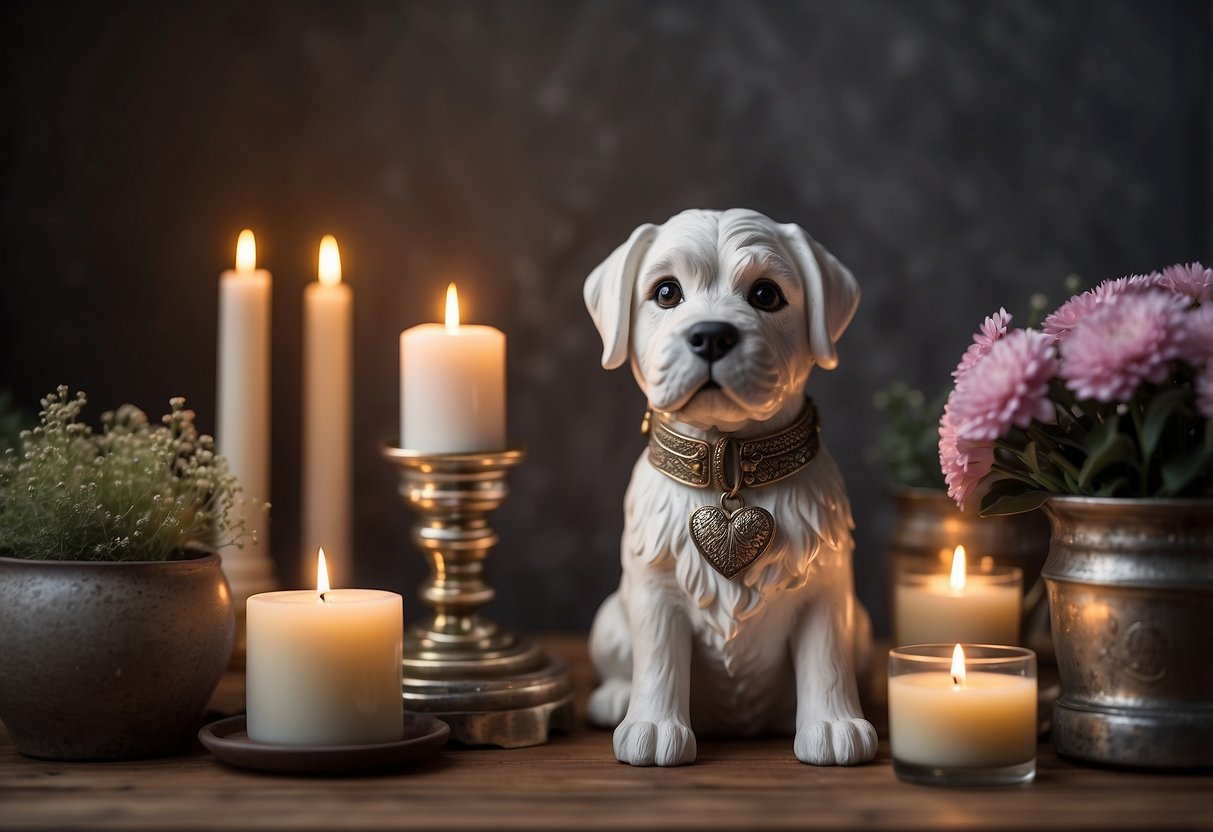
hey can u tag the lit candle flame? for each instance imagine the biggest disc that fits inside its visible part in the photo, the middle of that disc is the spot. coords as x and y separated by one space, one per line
957 581
452 309
329 269
246 251
958 668
322 576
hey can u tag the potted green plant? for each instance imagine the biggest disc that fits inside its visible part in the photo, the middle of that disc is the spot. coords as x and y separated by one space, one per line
116 621
1105 417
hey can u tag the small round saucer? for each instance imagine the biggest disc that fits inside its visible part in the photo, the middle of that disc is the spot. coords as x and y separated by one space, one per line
228 740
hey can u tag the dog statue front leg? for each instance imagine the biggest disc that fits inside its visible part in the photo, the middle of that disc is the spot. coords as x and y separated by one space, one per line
657 727
830 728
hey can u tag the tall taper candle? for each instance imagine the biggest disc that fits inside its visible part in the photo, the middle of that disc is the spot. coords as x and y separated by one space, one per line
242 430
327 399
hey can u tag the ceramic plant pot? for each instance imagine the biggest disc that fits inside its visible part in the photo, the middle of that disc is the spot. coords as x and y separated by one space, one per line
110 661
929 526
1131 593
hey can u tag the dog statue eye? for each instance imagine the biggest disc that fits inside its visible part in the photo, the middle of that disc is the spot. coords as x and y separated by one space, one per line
668 294
765 295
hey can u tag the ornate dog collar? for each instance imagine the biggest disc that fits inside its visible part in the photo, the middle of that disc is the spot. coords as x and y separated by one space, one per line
734 535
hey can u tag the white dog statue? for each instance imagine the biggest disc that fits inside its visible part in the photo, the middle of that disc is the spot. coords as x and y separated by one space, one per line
736 612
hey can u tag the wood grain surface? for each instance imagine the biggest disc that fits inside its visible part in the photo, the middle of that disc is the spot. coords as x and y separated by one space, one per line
574 782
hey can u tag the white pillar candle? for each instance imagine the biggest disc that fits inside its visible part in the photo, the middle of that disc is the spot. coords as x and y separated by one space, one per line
966 720
323 667
981 608
327 399
452 386
242 428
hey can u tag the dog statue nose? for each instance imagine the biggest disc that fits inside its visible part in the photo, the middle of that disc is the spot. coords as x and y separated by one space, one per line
712 340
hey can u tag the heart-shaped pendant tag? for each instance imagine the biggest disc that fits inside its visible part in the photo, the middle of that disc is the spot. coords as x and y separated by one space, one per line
731 541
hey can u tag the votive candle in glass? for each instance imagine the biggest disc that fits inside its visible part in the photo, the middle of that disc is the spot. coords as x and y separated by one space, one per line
963 714
936 607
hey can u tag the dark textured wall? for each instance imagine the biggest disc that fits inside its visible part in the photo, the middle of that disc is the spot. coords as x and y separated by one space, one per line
956 155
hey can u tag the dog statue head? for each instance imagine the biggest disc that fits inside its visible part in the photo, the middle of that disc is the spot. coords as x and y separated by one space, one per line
722 314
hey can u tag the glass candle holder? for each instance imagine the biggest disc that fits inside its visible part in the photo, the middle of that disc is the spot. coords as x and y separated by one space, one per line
963 714
984 607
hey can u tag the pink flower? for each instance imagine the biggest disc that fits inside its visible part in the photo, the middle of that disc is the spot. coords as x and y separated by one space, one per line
1198 336
1010 389
964 462
1192 280
1198 351
993 328
1128 340
1067 316
1204 391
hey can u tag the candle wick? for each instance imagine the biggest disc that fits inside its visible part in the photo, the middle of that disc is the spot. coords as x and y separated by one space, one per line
955 679
322 598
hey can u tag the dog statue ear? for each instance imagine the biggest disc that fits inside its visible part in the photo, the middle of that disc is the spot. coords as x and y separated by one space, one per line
831 292
608 294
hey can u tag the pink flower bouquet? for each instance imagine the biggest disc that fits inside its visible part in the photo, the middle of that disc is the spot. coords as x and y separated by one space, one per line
1112 397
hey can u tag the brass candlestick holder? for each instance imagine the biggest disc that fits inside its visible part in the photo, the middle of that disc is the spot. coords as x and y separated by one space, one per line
490 686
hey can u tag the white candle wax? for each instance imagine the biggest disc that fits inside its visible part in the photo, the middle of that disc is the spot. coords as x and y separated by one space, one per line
980 609
327 399
325 673
452 387
242 426
987 723
930 610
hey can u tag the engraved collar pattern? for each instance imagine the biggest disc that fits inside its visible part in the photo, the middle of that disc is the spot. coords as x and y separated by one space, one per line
756 461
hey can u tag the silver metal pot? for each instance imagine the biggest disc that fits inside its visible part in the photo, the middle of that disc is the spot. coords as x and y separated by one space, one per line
1131 593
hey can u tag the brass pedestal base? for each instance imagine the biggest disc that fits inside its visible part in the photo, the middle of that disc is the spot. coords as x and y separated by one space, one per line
511 697
491 687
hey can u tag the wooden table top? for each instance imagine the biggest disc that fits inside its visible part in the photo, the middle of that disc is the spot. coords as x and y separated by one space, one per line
574 782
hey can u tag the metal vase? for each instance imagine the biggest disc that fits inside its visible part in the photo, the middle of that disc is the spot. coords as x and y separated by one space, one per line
1131 592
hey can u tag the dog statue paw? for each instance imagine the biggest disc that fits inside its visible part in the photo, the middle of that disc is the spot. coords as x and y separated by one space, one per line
664 743
842 742
735 612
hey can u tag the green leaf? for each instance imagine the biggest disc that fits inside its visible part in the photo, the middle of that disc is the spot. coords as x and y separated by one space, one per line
1178 473
1058 434
1112 486
1106 446
1158 414
1002 486
1026 500
1030 457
